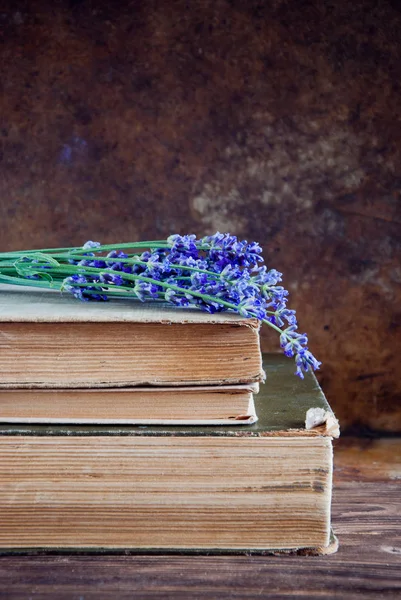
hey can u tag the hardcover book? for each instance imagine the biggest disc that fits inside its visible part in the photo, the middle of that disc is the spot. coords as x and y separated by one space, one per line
200 405
49 340
264 487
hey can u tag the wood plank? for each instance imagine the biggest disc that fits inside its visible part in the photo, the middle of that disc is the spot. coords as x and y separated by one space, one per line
367 459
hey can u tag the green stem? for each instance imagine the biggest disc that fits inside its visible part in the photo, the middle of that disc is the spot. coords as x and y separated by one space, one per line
151 244
29 282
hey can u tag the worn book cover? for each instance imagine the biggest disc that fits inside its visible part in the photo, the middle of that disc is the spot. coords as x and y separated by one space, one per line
199 405
50 340
264 487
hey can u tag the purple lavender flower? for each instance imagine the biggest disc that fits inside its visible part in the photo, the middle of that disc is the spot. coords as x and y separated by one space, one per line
265 277
214 273
282 312
211 306
89 244
183 244
305 361
117 265
77 286
69 285
181 260
176 298
232 273
96 263
155 265
225 249
110 278
295 344
146 291
91 294
291 340
253 307
199 281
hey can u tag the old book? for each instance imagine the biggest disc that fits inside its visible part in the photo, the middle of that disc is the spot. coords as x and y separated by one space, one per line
201 405
263 487
52 340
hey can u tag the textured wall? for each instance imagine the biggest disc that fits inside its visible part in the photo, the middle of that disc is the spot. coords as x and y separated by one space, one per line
277 121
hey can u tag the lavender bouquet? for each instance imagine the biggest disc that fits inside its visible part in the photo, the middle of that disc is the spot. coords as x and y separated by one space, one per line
214 273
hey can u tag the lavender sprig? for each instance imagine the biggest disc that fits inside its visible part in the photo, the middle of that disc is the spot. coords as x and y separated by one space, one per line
213 273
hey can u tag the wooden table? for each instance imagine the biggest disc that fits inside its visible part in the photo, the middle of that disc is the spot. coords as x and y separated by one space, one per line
366 518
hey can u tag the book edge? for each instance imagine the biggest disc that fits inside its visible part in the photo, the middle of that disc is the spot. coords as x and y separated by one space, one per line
232 388
240 421
331 548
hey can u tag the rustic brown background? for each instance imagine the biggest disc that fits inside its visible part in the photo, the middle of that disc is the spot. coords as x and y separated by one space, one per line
277 121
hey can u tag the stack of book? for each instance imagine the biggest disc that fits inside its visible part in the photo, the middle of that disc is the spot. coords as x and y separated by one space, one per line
65 361
133 426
